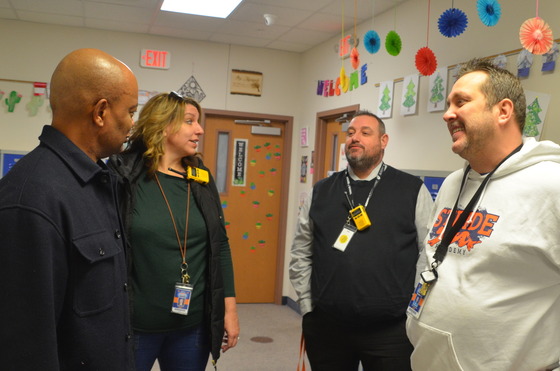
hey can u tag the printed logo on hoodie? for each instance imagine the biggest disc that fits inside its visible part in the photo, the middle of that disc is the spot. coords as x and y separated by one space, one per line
479 224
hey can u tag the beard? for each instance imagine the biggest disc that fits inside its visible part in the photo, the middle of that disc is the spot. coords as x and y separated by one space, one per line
362 163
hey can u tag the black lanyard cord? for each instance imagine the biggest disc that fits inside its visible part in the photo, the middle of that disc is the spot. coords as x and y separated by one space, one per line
453 225
349 187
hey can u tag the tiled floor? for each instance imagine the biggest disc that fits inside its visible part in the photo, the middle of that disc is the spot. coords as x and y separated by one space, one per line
269 340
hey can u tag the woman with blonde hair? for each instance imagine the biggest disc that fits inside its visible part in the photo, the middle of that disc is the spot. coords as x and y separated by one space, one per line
181 272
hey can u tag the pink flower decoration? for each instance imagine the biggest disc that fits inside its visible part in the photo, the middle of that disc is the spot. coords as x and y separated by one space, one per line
536 36
426 62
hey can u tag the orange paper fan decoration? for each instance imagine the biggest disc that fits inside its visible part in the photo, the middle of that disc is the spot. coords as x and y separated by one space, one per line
536 36
355 58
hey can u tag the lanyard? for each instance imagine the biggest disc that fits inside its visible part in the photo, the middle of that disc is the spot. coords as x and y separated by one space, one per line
182 247
453 225
348 194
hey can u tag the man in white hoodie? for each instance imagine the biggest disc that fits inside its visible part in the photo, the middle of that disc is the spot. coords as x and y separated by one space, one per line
489 298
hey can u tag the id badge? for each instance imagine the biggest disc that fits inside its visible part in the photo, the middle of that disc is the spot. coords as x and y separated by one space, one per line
181 298
345 236
418 299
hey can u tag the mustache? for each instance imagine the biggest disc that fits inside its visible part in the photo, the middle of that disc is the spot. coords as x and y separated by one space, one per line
356 145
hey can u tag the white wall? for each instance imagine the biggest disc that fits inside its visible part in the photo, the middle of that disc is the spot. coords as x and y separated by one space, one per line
31 51
421 141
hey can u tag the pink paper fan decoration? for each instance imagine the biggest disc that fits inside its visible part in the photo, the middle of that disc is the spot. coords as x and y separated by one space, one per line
536 36
355 58
426 62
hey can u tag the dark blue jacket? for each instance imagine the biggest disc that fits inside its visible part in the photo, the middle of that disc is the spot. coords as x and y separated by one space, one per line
63 296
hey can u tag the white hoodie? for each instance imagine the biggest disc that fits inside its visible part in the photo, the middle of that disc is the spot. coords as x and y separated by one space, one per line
496 304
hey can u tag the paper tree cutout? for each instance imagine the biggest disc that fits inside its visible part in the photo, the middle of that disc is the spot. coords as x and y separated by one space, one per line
192 89
437 90
385 99
410 95
532 119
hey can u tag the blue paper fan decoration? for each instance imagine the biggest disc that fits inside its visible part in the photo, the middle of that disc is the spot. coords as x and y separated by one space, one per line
372 42
489 11
452 22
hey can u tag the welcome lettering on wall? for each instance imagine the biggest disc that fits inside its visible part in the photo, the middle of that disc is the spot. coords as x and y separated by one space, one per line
329 88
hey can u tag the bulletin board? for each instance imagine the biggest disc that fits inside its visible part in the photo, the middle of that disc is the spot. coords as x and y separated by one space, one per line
8 159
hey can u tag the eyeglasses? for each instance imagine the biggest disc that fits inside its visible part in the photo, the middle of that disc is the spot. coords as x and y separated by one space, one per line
177 96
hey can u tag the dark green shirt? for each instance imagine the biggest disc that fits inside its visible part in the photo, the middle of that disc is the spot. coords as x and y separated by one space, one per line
157 257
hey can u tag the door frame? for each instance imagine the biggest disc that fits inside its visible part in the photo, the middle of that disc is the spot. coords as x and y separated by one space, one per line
288 122
321 136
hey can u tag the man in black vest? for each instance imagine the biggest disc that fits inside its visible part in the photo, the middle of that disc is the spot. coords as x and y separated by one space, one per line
354 257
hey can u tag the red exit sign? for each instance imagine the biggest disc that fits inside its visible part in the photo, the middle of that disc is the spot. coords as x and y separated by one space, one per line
155 59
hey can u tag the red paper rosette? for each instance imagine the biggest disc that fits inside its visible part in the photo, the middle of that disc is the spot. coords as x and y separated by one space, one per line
355 58
426 62
536 36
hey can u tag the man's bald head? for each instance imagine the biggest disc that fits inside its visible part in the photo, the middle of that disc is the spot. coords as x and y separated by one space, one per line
82 78
93 99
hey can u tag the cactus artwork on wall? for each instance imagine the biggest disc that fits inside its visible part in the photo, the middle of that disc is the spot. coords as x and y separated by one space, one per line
13 99
34 104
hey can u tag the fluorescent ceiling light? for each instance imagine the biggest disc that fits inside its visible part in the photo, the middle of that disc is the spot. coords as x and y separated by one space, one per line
208 8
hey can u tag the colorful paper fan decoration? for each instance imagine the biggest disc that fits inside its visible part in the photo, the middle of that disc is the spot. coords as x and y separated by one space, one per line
355 58
489 11
393 43
426 62
372 42
536 36
452 22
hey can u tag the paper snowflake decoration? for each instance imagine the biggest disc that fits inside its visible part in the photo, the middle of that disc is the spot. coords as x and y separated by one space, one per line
452 22
535 35
372 43
489 11
393 43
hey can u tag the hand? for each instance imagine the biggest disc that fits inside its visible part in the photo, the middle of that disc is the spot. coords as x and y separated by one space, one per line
231 325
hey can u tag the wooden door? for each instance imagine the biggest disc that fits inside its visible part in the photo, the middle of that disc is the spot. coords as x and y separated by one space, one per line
330 134
334 146
249 170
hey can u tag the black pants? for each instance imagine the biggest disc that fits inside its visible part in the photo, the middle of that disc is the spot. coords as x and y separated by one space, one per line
335 346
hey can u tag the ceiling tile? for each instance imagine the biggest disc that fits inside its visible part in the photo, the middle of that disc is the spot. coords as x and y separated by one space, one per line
117 13
239 40
64 7
105 24
284 16
180 33
299 26
63 20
